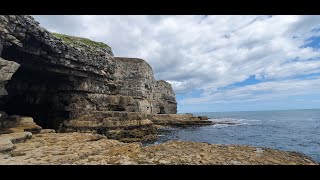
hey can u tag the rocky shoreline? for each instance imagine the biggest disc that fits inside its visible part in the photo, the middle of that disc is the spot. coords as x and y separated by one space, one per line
87 148
44 146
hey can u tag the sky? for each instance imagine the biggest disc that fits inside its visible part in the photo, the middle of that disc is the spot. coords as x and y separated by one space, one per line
216 63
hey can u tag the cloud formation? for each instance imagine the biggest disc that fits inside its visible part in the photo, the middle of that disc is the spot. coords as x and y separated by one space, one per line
207 55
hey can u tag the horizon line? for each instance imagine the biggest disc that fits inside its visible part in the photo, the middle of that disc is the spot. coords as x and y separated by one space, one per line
250 110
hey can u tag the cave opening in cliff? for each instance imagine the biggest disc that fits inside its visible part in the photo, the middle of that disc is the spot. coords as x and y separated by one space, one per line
33 91
161 110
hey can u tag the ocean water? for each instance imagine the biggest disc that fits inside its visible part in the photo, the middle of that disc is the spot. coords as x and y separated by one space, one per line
290 130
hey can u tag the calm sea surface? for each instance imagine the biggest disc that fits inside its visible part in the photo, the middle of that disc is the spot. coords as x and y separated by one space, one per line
290 130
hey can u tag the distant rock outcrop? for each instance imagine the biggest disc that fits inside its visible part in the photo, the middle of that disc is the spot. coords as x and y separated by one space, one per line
179 120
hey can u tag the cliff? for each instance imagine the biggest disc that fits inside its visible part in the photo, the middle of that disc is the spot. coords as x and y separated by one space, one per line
62 77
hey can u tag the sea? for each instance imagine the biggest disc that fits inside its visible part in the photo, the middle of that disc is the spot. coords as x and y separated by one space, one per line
289 130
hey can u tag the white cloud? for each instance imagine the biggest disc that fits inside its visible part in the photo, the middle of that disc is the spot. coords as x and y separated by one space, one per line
261 91
208 53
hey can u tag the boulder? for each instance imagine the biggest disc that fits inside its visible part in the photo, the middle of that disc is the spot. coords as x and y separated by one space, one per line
7 140
7 69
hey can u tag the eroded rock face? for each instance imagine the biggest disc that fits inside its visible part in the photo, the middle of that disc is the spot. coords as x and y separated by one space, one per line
85 148
1 45
7 69
150 96
18 124
15 123
55 78
63 77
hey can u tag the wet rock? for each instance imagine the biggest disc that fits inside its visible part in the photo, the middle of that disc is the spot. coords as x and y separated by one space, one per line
203 117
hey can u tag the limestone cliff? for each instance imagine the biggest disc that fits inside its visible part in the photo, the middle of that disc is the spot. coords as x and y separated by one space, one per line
64 77
150 96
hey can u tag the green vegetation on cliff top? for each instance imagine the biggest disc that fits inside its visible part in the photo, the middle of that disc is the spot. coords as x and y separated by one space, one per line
78 41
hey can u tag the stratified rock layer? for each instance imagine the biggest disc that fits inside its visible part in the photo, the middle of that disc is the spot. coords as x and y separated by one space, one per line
56 80
149 96
16 123
123 126
76 78
83 148
179 120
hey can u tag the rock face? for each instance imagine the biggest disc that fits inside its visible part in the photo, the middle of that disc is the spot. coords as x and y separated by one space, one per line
55 79
150 96
64 77
123 126
7 69
85 148
16 123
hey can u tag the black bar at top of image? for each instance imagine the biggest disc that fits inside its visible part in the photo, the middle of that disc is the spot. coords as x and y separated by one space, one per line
161 7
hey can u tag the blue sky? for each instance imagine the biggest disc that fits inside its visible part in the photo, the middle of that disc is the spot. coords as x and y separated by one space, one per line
216 63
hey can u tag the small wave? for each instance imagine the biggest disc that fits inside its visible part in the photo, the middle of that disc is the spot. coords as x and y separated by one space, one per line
250 120
221 125
233 119
226 122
